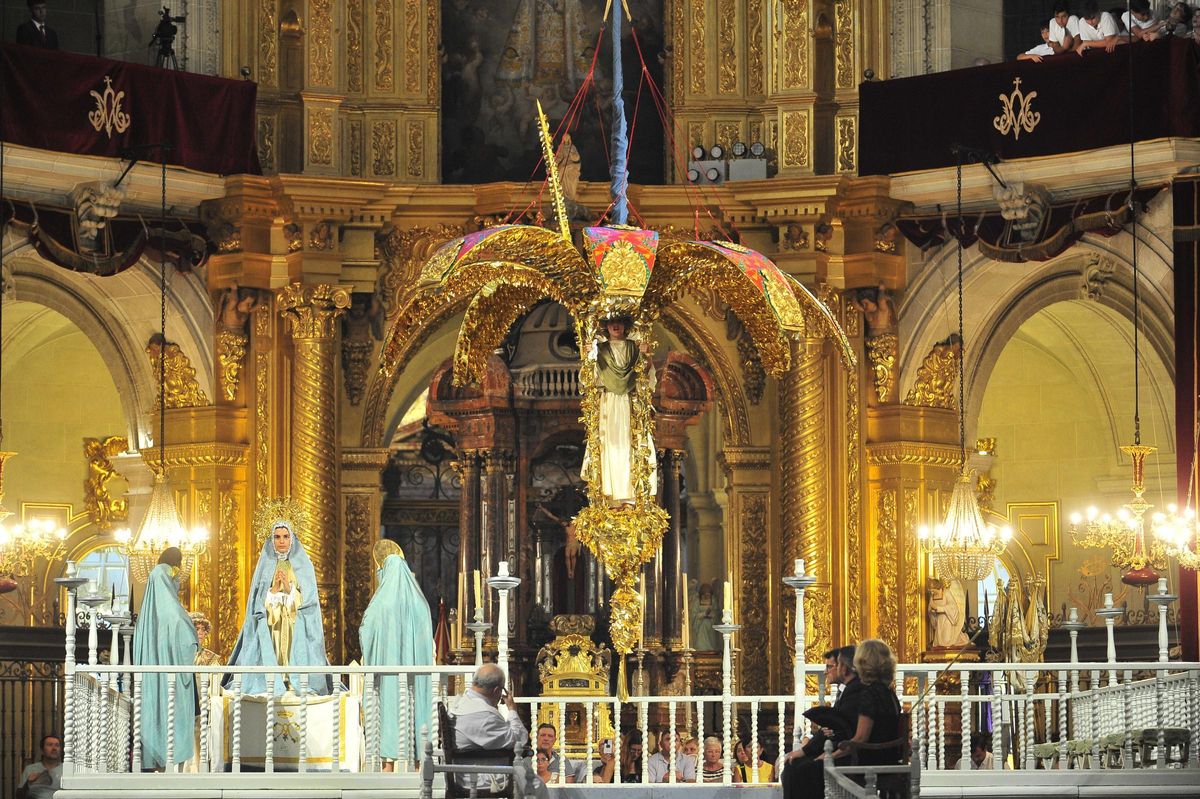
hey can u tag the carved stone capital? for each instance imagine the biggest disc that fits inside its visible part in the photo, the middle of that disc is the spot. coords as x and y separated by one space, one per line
311 312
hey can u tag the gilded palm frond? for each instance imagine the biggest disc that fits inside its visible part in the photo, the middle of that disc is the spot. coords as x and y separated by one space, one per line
489 316
754 288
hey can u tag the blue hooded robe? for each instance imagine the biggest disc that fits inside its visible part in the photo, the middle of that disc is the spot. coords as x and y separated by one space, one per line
254 646
397 630
165 636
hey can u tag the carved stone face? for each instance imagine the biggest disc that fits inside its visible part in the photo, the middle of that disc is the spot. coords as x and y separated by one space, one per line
282 538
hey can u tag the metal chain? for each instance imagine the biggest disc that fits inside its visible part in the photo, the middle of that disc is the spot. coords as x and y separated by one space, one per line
162 351
1137 384
962 348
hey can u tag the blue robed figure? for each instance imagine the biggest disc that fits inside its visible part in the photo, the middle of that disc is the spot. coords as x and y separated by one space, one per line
283 624
397 630
165 636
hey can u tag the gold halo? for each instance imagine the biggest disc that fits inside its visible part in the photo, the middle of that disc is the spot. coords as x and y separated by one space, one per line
276 509
383 548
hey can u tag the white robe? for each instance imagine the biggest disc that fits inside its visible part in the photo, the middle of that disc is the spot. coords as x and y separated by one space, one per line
616 450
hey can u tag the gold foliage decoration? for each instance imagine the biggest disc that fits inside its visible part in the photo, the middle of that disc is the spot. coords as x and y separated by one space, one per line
181 390
936 378
102 508
231 351
276 509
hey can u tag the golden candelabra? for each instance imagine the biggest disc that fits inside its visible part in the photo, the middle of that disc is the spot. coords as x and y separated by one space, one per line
1124 533
964 546
161 528
1176 531
21 545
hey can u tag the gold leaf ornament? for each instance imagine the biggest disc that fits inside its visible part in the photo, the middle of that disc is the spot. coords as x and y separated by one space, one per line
280 509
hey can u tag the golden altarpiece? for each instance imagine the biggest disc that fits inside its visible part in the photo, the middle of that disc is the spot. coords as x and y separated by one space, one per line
313 261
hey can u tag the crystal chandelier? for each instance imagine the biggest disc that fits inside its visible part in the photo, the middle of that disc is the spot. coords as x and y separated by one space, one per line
21 545
963 546
1176 531
162 526
1124 534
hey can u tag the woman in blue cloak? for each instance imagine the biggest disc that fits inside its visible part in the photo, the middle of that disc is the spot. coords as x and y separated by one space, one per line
165 636
397 630
283 624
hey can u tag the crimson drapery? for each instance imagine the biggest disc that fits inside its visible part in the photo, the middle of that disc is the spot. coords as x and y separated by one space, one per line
94 106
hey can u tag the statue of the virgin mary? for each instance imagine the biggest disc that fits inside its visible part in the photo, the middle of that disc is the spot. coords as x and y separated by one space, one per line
282 626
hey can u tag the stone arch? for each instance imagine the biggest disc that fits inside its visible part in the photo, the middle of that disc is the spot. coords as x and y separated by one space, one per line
119 314
1001 296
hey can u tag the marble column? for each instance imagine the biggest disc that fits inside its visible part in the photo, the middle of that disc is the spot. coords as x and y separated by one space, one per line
468 535
311 316
672 590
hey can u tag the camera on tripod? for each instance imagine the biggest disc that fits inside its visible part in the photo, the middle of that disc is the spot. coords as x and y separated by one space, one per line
164 37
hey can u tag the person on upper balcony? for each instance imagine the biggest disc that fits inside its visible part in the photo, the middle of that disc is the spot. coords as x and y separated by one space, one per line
1041 51
1064 28
1142 22
1097 29
34 31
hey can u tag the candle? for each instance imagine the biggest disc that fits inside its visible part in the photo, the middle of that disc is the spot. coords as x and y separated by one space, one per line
1108 600
478 589
729 593
1162 585
685 628
642 631
503 572
799 565
70 570
1074 616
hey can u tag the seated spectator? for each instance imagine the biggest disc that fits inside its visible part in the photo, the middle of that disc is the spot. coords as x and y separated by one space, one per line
42 778
981 751
607 767
479 724
1179 20
691 745
1140 20
684 766
1041 51
541 762
631 757
745 764
1064 28
1097 29
714 763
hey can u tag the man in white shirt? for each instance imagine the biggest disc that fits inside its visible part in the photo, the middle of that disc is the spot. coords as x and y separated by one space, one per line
479 724
1097 29
1141 21
1064 29
42 778
685 765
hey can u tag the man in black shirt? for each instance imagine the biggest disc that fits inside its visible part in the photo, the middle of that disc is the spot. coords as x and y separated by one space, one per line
801 766
34 31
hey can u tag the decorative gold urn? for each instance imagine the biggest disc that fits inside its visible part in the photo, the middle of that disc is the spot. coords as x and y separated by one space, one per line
573 665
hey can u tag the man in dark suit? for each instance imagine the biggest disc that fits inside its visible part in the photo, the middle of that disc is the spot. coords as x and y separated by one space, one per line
34 31
801 768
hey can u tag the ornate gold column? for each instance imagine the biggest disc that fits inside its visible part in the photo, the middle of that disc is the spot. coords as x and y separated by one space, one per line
749 542
311 314
805 510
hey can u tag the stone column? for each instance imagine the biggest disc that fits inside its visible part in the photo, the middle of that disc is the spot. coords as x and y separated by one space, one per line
672 590
492 537
468 547
311 314
805 509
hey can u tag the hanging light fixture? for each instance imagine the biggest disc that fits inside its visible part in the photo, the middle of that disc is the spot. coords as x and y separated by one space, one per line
1124 534
963 546
162 526
21 545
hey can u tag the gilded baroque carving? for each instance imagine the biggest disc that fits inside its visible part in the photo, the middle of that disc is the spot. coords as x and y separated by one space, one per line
383 147
887 569
796 33
754 52
698 55
354 45
102 508
679 37
843 44
181 390
262 426
937 378
268 37
361 328
913 596
189 455
795 139
402 254
356 147
204 586
882 352
231 351
905 454
433 29
853 494
728 133
847 145
320 43
320 136
228 604
754 376
412 45
358 569
266 142
416 148
384 34
727 35
1096 271
322 236
756 582
695 133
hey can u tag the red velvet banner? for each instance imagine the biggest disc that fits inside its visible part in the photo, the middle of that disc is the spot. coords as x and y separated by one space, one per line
70 103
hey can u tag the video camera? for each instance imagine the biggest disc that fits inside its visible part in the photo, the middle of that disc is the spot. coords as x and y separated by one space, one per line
164 37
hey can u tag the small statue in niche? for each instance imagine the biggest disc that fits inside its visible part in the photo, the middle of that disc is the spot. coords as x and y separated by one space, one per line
878 309
947 614
234 307
705 612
